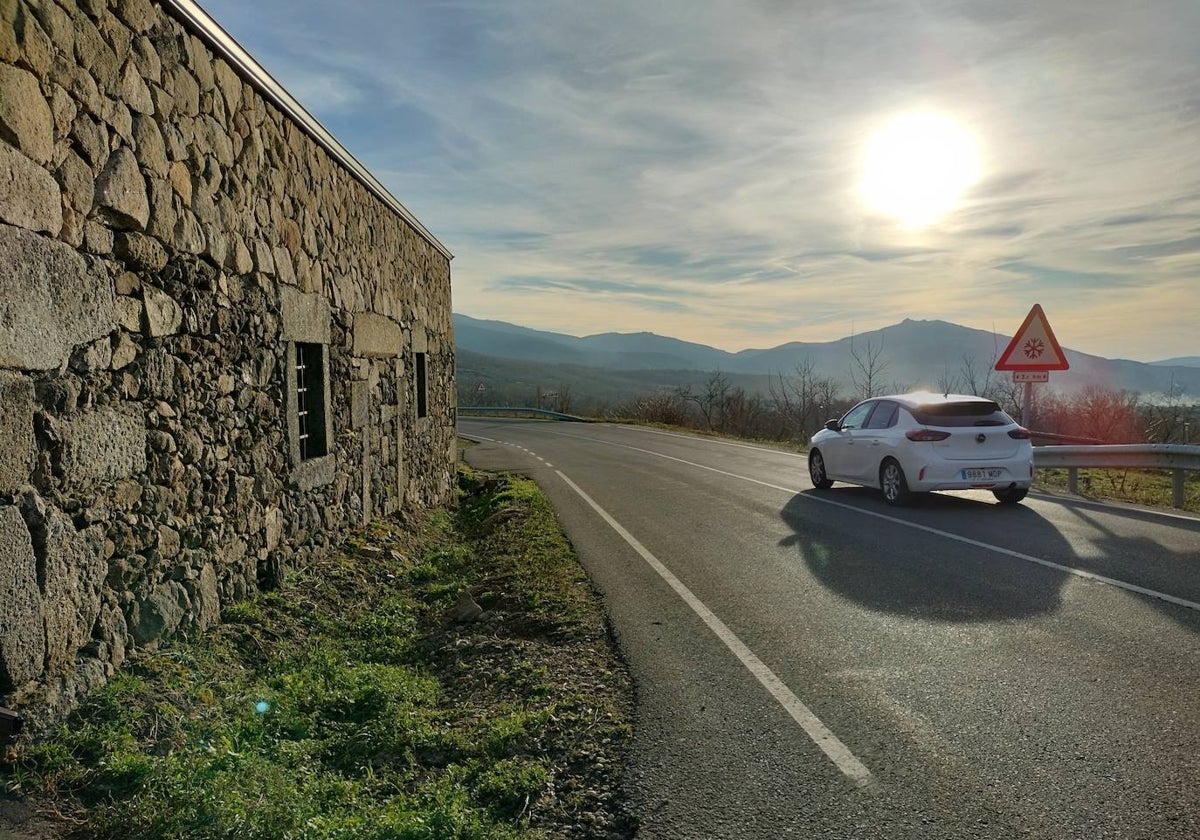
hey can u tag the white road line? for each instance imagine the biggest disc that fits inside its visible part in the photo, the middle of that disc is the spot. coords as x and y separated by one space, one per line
701 439
829 743
1049 564
1048 496
1080 573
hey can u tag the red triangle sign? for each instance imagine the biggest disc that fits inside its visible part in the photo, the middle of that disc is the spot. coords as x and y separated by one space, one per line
1034 347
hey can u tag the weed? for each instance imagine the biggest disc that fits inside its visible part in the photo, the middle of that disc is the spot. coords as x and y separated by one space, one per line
1153 488
343 706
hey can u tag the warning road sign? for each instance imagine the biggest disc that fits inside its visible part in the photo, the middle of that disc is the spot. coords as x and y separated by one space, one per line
1034 347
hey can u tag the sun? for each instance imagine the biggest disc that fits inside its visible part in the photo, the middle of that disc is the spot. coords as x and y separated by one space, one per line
917 167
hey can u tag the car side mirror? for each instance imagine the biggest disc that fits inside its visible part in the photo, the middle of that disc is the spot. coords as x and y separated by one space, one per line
833 425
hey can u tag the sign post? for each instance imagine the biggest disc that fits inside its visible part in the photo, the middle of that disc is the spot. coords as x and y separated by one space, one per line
1031 355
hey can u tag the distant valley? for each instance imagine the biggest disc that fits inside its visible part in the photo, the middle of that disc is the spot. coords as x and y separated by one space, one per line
502 362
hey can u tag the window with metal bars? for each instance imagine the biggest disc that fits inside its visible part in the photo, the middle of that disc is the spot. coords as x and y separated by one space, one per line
422 392
310 400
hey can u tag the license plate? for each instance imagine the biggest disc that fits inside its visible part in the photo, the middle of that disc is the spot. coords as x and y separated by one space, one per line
989 474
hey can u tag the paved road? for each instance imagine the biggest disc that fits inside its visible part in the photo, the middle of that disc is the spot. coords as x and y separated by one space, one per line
816 664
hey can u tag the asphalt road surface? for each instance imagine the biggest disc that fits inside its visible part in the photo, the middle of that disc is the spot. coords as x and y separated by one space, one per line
816 664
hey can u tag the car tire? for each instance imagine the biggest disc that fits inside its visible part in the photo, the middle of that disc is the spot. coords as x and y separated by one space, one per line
816 471
893 484
1010 496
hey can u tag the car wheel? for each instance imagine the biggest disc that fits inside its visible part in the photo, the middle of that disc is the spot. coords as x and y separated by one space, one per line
893 483
1010 496
816 471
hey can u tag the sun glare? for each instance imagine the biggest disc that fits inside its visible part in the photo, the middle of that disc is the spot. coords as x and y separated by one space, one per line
918 166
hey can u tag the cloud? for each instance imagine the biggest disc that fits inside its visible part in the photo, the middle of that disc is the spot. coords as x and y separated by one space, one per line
692 169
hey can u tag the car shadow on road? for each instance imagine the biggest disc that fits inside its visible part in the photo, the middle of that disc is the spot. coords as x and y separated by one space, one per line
1162 569
912 572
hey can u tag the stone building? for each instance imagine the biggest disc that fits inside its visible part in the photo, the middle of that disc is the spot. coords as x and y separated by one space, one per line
222 341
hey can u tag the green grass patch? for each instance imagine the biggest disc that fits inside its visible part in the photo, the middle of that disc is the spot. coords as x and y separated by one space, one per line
355 703
1153 488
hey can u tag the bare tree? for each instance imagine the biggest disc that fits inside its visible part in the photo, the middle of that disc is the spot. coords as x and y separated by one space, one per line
829 402
977 377
661 407
867 369
784 406
740 413
1010 396
710 400
564 399
1107 414
947 383
1169 420
1095 412
803 399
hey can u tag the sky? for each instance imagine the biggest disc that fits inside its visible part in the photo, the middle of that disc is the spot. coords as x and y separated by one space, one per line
699 169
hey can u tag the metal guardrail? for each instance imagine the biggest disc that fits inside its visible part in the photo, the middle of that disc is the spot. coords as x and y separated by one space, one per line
1147 456
1056 438
1156 456
518 411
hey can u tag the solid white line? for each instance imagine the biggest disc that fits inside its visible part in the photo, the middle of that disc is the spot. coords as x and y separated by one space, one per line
1058 498
702 439
1080 573
829 744
1070 570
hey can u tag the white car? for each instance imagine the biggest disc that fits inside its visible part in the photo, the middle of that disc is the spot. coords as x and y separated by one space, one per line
913 443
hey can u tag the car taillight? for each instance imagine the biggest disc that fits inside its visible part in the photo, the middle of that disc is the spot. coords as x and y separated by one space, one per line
926 434
1019 434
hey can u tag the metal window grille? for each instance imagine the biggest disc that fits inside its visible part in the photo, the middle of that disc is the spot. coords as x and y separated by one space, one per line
422 392
310 400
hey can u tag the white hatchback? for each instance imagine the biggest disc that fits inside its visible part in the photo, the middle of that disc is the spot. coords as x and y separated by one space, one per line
913 443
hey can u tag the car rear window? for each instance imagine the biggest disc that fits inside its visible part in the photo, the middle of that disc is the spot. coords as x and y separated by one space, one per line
961 414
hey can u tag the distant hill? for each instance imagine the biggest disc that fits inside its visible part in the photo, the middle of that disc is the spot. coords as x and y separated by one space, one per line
912 353
625 351
577 388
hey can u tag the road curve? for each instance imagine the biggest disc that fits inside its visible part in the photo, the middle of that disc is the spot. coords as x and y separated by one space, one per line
816 664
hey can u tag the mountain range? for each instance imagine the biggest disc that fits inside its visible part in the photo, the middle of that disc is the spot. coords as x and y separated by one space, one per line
910 354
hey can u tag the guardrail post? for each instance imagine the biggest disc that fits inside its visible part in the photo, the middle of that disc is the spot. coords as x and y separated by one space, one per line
1178 460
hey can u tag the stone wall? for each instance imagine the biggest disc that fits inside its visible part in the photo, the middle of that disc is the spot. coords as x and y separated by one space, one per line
170 241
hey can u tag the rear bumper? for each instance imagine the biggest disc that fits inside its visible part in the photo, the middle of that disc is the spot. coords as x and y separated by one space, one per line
951 475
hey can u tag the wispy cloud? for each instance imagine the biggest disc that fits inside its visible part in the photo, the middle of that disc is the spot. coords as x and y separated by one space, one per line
692 168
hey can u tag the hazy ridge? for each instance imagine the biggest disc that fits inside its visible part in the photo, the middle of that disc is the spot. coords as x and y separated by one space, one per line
914 354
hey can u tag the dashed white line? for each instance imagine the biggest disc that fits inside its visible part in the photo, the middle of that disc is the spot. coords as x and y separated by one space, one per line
834 749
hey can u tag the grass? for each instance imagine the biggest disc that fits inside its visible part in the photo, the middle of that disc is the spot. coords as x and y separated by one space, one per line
349 705
1152 488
